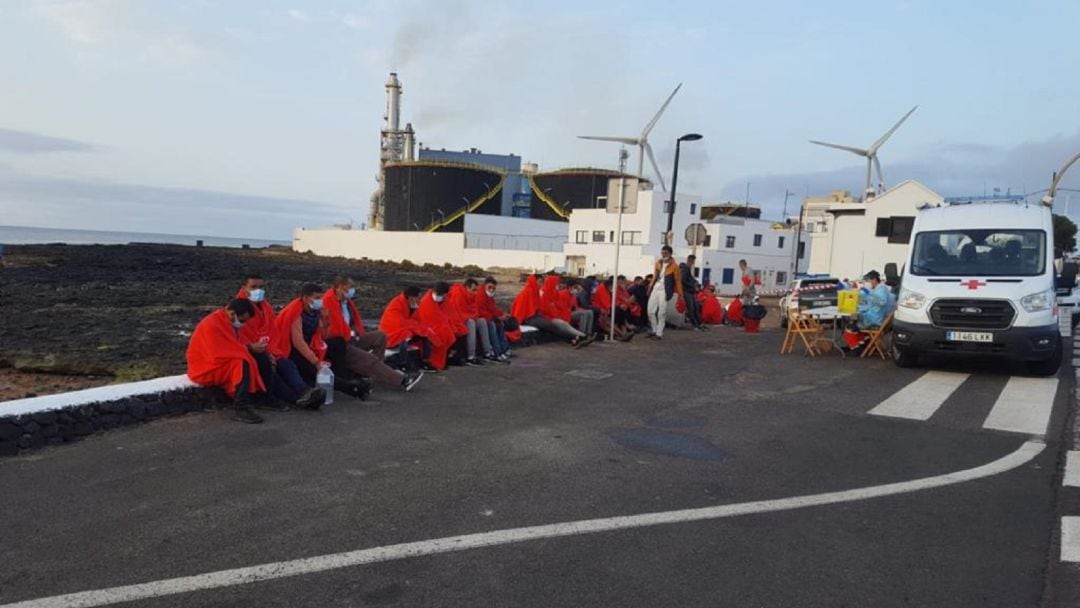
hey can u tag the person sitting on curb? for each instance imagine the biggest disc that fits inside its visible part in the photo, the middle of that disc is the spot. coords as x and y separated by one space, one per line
463 297
545 315
279 373
401 323
495 317
444 333
217 358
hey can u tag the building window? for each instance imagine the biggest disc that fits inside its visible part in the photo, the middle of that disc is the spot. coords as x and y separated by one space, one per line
598 236
895 229
697 272
757 240
802 250
708 241
781 277
631 237
693 208
780 242
730 243
611 237
728 276
581 236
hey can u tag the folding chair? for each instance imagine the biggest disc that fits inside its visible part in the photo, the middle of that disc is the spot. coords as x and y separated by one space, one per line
876 338
806 329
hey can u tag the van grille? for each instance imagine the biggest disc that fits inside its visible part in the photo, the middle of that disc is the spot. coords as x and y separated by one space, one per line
972 314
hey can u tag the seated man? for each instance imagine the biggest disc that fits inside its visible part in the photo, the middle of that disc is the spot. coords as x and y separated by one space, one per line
278 372
445 328
621 317
495 318
734 309
403 328
581 318
299 333
348 325
217 358
634 310
876 302
545 314
463 297
349 348
711 311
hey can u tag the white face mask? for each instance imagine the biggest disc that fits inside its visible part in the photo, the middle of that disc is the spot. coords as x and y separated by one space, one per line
438 299
490 291
257 295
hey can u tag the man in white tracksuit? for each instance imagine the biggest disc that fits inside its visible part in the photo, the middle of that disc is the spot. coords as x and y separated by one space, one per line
666 282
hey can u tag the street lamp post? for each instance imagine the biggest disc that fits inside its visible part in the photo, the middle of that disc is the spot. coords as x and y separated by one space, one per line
674 184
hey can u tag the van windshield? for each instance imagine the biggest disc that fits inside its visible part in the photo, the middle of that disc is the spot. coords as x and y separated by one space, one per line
980 253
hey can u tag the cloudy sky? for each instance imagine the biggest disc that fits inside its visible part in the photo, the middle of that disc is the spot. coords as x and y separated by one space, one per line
250 117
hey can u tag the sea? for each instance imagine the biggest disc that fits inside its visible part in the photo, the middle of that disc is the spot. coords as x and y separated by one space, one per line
23 235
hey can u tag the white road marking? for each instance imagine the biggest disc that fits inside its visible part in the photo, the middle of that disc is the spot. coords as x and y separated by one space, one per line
920 399
1072 469
1070 539
1024 406
309 565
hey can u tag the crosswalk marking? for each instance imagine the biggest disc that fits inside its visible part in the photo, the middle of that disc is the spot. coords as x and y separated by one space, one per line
920 399
1072 469
1024 406
1070 539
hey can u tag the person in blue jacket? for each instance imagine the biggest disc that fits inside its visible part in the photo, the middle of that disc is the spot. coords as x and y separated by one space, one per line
876 302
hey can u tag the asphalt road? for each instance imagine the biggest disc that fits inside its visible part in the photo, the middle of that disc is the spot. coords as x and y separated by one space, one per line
700 420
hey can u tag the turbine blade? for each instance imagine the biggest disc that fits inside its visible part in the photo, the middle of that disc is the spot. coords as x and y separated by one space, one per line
656 168
652 123
880 177
851 149
888 134
630 141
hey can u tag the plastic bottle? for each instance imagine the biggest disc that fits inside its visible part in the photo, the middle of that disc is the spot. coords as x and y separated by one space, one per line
325 381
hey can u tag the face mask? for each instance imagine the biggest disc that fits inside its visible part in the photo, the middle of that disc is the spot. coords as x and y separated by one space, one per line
257 295
316 304
351 293
413 306
438 299
237 323
490 292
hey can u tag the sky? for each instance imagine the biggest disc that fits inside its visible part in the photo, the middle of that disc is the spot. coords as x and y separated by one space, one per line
248 118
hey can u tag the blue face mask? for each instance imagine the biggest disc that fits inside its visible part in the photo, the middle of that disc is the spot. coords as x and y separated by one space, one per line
351 293
237 323
316 304
257 295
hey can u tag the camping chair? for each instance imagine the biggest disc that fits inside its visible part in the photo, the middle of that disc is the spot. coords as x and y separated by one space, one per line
806 329
875 344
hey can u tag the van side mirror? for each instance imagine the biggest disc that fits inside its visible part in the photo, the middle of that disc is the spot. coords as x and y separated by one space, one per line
892 276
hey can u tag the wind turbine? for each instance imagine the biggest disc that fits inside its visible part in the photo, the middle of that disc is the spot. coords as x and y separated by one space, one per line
642 142
871 153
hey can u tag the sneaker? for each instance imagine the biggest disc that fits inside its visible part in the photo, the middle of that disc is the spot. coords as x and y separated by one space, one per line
474 362
245 414
312 399
493 358
411 380
429 368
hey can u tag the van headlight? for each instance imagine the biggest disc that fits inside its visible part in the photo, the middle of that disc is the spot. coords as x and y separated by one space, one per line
1037 302
911 299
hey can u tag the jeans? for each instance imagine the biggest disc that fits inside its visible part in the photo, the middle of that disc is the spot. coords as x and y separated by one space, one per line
584 320
485 336
290 376
274 385
477 327
557 327
693 309
497 334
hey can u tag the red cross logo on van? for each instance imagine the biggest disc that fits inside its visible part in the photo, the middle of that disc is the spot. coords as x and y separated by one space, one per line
973 284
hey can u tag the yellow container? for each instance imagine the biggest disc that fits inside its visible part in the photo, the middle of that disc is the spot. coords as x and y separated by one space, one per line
847 301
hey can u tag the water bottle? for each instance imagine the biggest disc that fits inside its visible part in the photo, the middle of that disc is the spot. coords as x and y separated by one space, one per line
325 381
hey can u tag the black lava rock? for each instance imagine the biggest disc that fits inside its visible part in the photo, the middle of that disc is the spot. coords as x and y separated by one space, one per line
44 418
9 431
8 448
83 428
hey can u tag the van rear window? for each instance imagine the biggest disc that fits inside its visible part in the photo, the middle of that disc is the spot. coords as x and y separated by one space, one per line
980 253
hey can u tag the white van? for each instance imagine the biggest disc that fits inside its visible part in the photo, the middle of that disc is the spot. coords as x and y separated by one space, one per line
979 280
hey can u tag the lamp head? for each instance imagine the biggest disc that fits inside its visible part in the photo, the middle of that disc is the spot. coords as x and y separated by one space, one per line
691 137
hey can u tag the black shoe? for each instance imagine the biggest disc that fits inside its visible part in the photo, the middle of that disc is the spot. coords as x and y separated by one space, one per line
474 362
429 368
411 380
492 358
244 413
312 399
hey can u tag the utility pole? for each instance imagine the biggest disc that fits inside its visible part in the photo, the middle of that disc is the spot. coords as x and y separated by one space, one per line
787 193
623 155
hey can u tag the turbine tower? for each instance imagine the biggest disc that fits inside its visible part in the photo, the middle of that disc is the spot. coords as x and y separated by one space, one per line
870 154
642 142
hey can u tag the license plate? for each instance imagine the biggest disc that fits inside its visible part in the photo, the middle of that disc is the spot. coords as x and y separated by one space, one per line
969 336
818 303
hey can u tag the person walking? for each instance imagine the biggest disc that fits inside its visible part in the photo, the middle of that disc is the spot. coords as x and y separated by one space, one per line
690 288
665 284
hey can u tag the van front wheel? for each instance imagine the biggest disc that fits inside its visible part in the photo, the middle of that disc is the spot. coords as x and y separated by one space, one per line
1047 367
903 357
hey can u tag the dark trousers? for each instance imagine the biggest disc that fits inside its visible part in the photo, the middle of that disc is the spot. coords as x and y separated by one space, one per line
693 309
243 388
274 385
290 375
304 367
459 352
498 337
348 360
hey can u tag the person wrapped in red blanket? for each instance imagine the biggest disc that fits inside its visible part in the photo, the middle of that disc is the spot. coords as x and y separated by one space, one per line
403 328
465 298
495 318
531 307
712 313
216 357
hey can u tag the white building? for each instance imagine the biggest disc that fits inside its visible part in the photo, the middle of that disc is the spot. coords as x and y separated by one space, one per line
849 238
768 247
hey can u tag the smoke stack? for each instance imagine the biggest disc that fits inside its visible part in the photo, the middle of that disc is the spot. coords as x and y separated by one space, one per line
410 148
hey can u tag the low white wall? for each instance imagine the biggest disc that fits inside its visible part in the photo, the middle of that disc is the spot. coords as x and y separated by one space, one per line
418 247
515 258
